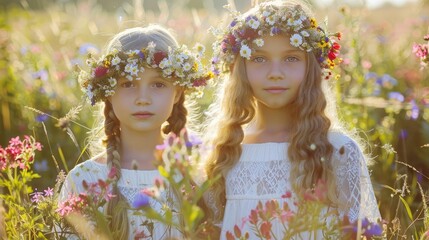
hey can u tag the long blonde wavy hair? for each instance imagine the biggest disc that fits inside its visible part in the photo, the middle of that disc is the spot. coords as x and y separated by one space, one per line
133 39
235 106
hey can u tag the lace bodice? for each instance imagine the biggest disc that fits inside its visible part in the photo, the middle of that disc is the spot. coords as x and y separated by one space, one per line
262 173
262 178
131 182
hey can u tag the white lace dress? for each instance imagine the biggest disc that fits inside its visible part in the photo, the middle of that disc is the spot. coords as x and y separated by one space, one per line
131 182
262 174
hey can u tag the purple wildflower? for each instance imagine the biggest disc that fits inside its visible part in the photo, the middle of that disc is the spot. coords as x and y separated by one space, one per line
48 192
414 110
41 117
397 96
140 200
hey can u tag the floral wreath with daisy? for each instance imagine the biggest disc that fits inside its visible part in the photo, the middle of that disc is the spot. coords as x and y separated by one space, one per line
181 65
245 34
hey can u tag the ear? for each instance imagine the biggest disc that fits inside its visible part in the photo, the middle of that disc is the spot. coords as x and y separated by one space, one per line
179 92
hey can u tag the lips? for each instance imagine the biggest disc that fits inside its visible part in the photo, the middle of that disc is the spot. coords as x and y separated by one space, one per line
276 89
143 115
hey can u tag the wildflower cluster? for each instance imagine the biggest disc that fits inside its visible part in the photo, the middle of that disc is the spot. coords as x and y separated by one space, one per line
86 207
422 51
180 64
177 165
18 153
96 194
28 215
307 217
245 34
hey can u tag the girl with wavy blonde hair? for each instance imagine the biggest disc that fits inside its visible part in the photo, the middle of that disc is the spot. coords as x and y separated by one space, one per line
270 128
141 81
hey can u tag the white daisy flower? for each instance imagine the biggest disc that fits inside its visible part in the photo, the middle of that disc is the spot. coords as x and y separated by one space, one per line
297 22
129 77
116 60
134 70
132 52
259 42
271 20
200 48
128 68
112 81
180 74
167 71
304 33
253 23
164 63
296 40
108 93
187 67
245 51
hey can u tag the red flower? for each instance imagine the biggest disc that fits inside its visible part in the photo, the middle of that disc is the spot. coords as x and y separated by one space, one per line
199 82
338 35
237 231
229 236
266 229
158 56
100 71
288 194
231 39
336 46
332 55
253 218
249 34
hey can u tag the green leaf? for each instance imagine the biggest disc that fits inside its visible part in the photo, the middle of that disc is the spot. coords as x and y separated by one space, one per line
407 208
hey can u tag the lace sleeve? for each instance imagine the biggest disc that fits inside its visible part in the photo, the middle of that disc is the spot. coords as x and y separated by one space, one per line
354 187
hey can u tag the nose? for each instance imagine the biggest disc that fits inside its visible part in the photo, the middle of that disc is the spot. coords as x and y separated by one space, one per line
275 72
143 96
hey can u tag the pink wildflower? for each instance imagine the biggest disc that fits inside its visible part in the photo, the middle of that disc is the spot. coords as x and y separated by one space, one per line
288 194
48 192
237 231
266 229
229 236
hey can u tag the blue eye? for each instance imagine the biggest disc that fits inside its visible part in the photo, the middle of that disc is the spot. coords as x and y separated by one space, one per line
258 59
292 59
127 84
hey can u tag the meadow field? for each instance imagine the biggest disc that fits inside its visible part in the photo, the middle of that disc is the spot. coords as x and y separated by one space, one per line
382 89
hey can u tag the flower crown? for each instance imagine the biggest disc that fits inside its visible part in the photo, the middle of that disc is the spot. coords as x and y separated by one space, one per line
178 63
244 34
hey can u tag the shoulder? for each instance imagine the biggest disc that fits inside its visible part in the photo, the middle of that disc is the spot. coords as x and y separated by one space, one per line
345 147
340 140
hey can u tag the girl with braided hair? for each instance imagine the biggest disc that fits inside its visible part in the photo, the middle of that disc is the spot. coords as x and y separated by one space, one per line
270 126
142 81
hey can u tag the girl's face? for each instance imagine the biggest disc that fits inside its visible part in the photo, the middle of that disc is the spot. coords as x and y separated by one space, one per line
275 71
144 105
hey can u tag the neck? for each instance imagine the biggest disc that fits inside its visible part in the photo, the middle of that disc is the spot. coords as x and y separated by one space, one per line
139 148
270 125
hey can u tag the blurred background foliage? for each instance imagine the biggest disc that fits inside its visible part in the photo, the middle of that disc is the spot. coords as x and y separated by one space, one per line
382 91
